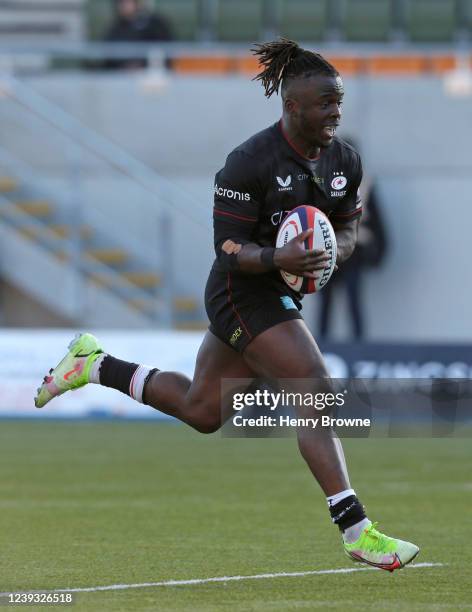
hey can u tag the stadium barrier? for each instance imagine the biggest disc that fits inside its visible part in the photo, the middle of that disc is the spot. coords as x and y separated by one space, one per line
348 64
26 356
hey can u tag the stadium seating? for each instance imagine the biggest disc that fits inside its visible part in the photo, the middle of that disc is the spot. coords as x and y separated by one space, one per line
7 184
464 18
37 220
99 15
38 21
302 19
183 16
366 20
430 20
239 20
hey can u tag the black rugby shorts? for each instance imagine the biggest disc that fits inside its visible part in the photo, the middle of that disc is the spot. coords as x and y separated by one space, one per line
242 307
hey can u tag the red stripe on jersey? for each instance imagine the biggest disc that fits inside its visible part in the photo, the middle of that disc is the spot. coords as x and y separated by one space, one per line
228 214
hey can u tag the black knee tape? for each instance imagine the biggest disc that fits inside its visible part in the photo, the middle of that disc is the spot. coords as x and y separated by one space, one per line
347 512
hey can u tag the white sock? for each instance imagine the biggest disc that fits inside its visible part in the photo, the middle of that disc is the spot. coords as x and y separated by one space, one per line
335 499
136 385
352 533
94 376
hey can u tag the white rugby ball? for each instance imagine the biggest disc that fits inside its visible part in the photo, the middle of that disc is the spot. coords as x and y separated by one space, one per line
323 238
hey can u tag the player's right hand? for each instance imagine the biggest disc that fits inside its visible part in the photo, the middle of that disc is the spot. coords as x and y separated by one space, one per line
296 259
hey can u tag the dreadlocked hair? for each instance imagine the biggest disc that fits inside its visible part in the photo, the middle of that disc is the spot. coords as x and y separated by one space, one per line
283 59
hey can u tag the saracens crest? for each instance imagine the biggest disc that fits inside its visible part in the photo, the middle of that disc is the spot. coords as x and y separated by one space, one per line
338 183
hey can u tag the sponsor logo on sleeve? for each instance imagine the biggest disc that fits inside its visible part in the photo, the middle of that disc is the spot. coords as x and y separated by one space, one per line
232 194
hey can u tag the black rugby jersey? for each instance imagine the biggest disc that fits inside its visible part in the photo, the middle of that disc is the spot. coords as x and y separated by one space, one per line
265 178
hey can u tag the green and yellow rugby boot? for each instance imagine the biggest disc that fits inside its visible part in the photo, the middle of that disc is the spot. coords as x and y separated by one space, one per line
379 550
72 372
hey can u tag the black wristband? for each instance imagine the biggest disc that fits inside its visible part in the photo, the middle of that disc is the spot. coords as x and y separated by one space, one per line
267 258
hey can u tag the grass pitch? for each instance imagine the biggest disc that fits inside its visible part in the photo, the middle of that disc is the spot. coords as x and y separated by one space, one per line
90 504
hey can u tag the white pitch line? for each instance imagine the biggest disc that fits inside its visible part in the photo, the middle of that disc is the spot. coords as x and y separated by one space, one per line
144 585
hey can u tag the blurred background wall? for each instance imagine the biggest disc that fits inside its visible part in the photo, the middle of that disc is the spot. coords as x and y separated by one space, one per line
108 152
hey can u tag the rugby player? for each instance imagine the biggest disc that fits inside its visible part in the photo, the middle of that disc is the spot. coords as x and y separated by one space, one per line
252 312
